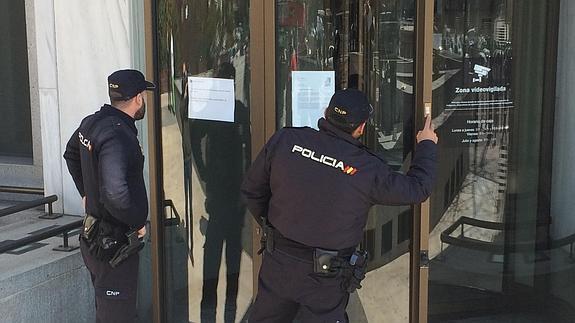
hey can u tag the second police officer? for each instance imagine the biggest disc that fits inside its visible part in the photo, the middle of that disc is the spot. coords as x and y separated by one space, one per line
311 191
105 160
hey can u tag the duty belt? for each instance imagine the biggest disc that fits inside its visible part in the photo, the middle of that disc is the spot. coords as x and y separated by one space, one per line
106 244
350 264
303 252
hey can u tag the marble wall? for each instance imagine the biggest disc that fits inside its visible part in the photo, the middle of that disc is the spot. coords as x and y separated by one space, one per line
78 43
45 50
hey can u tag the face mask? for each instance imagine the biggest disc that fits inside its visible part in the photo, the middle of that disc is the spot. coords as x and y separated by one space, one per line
141 111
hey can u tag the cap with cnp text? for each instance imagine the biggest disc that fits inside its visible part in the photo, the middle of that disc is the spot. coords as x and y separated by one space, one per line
126 84
348 109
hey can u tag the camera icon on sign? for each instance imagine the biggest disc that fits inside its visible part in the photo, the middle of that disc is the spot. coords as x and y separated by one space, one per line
481 72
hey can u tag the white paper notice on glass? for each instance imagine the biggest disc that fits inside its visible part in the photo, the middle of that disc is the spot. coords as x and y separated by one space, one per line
311 92
211 98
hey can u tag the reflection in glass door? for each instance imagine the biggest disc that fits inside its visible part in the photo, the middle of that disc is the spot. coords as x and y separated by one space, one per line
498 252
203 48
323 46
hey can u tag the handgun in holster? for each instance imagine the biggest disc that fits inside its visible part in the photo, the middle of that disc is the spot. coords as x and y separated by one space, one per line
267 239
133 246
358 268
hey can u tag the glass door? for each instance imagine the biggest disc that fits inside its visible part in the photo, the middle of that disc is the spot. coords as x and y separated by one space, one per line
500 237
323 46
205 117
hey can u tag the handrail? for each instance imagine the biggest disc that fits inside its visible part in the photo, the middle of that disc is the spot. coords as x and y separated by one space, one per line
169 203
32 204
22 190
481 245
63 229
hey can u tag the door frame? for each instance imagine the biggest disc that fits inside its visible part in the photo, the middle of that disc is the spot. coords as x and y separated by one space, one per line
263 122
419 275
262 95
262 13
155 164
419 262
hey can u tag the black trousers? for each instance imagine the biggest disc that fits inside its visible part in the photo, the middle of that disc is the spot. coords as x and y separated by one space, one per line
287 285
115 288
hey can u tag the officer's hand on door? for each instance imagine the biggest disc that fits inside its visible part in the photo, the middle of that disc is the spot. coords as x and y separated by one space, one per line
142 232
427 133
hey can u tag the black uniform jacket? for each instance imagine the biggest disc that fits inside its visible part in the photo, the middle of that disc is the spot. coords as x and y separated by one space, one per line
316 187
105 160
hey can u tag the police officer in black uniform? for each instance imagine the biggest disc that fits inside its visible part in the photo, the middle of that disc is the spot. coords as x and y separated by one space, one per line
105 160
312 190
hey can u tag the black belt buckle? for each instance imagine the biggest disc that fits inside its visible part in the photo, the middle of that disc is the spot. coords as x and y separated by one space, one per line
322 261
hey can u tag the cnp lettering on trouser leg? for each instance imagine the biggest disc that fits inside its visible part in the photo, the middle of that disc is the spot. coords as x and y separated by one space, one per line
115 289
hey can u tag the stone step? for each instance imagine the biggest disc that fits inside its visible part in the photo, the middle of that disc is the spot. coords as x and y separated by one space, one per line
55 283
34 253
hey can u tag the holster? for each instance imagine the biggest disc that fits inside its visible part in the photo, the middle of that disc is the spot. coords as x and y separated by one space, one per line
267 239
133 246
90 228
357 267
351 269
102 237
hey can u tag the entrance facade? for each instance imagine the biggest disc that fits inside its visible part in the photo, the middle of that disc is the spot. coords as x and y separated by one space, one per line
494 241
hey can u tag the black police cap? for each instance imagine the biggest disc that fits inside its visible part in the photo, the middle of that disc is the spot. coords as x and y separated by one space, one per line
348 109
126 84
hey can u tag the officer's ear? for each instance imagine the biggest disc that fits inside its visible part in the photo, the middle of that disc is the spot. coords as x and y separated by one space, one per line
362 128
139 99
359 130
